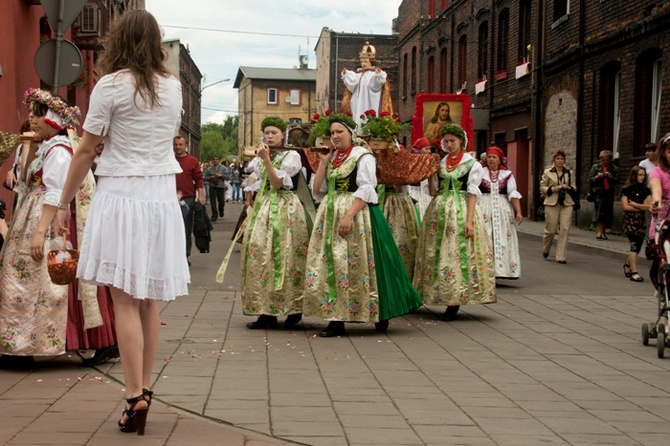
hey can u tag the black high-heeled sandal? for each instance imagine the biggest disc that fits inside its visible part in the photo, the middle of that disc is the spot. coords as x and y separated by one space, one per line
137 419
626 270
148 395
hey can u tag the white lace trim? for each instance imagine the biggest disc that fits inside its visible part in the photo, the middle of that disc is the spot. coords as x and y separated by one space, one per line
105 273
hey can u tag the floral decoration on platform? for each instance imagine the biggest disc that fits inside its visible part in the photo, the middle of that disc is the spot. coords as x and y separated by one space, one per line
384 126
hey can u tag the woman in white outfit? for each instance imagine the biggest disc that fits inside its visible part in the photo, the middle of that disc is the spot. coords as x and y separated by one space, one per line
134 237
501 207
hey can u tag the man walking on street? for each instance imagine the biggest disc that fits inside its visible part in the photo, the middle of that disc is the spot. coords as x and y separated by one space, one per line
216 175
189 184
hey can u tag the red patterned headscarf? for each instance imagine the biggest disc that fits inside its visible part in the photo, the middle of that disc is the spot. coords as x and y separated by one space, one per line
497 151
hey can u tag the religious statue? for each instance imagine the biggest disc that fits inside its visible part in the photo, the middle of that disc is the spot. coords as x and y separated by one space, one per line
366 88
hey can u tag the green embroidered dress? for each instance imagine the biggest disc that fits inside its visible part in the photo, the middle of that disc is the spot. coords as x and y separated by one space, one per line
275 244
452 269
360 277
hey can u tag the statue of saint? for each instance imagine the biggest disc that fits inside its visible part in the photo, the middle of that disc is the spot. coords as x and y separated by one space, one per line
366 88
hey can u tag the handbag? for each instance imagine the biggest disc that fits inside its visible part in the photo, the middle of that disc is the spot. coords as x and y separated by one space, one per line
590 198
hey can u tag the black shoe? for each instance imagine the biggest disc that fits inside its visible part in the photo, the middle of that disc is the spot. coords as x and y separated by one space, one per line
450 313
264 321
102 356
292 320
381 326
545 254
213 219
562 262
334 328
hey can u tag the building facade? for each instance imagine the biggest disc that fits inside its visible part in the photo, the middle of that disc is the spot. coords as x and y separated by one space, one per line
180 64
288 93
575 75
25 27
336 51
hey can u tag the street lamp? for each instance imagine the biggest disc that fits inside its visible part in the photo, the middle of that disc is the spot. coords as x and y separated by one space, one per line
214 83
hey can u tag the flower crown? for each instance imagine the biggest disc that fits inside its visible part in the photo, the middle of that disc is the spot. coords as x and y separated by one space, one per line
456 130
274 122
69 115
321 123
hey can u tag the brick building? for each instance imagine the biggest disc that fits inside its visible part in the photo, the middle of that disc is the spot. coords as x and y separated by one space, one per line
25 27
180 64
288 93
335 51
544 75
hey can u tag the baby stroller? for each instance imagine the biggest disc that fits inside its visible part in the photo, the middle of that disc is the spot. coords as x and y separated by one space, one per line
658 250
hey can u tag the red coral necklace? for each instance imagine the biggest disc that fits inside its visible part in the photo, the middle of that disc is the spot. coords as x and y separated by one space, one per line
454 161
342 156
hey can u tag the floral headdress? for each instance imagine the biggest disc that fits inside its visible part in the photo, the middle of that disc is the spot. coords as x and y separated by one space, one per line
321 124
274 122
60 115
456 130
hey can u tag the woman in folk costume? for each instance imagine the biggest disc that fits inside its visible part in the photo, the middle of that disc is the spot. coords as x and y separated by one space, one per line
401 214
421 192
37 317
354 270
501 207
454 265
276 239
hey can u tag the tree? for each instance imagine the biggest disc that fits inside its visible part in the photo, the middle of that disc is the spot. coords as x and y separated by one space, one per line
219 139
211 145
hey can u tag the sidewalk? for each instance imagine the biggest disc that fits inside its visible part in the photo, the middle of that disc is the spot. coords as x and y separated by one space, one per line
218 383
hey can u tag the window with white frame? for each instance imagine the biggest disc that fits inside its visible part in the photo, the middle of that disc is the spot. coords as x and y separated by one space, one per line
295 95
647 99
561 9
273 96
609 108
617 114
656 101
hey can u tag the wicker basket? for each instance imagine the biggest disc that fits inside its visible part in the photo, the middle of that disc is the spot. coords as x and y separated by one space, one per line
62 273
8 143
378 144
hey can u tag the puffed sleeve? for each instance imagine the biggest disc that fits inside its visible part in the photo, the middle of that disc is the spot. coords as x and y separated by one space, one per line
252 165
351 79
100 107
366 179
378 80
290 166
255 168
512 191
54 173
474 178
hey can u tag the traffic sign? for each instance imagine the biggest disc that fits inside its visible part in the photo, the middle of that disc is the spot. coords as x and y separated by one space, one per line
69 63
71 9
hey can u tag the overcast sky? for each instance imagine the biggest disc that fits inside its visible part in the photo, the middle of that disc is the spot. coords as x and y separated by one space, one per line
223 35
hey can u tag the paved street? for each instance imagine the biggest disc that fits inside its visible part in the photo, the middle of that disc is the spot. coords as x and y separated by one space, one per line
557 361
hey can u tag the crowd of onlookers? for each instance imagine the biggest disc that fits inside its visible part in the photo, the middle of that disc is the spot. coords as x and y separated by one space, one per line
230 174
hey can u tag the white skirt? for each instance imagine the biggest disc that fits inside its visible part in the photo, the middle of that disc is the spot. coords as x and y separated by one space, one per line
134 238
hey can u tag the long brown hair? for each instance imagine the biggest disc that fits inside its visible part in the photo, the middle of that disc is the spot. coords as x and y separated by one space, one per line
134 43
632 176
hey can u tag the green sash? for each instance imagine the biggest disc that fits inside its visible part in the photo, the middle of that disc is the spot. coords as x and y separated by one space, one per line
333 174
449 185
